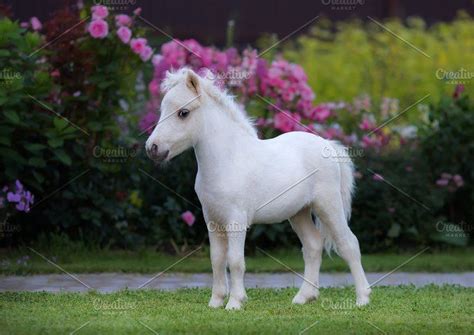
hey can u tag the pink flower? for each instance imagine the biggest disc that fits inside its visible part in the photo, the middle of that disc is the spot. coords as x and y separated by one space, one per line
377 177
98 28
55 73
188 217
122 20
138 44
154 87
146 53
124 34
286 121
99 12
148 121
137 11
458 180
320 113
442 182
156 60
458 91
366 124
24 24
447 176
35 23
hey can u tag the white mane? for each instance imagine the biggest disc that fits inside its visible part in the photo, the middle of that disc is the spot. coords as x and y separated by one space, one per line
226 100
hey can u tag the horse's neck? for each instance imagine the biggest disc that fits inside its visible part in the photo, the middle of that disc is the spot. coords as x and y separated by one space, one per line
221 140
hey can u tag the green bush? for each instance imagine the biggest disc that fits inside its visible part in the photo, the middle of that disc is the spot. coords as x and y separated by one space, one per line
347 59
447 143
73 138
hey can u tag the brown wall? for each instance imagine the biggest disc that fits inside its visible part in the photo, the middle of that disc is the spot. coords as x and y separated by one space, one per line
206 20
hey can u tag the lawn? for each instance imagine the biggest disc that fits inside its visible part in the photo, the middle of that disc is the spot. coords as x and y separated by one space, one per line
25 261
393 310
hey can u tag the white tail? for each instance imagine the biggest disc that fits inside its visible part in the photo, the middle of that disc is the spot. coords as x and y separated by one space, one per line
346 188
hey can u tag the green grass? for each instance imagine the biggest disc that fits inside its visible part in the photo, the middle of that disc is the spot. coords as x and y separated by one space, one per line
393 310
148 261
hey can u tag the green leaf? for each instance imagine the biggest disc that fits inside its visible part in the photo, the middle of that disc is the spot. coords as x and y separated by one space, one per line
394 230
38 176
5 141
12 116
10 154
63 157
60 123
37 162
34 147
94 126
55 142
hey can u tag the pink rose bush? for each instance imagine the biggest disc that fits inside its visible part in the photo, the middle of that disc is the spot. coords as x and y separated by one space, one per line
98 28
280 89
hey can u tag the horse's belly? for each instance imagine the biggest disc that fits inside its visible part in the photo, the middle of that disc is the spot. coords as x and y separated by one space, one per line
281 207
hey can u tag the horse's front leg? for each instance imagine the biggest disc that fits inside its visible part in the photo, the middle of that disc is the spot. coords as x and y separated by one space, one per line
218 242
236 232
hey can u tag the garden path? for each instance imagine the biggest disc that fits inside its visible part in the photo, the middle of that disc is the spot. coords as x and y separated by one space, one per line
110 282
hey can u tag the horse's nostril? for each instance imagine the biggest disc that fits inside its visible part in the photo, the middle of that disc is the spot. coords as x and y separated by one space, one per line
154 149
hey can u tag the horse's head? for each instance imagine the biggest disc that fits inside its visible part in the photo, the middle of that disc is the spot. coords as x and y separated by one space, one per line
180 120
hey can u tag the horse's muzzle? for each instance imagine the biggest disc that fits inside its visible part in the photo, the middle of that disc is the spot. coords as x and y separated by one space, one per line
153 153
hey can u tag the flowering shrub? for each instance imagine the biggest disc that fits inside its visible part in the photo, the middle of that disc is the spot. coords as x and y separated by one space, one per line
18 196
69 133
62 102
276 93
446 140
346 59
98 28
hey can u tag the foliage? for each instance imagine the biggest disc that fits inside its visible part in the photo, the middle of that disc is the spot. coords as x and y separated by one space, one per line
65 118
447 142
72 132
346 59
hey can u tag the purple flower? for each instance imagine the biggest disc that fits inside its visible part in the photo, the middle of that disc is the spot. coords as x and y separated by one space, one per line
13 197
19 186
22 198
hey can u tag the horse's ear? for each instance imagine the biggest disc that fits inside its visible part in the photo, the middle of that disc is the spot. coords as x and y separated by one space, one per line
192 82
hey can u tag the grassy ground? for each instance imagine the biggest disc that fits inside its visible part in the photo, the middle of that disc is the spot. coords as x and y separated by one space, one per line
393 310
148 261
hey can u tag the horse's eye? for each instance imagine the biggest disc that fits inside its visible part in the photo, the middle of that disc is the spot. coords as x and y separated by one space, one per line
183 113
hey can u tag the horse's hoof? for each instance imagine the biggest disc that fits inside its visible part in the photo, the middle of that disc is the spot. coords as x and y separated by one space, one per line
216 302
363 298
301 298
233 304
362 301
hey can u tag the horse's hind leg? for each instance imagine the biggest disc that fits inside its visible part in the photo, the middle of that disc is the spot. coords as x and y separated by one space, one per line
310 238
328 206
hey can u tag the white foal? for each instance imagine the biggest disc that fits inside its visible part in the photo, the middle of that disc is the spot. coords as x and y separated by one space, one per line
243 180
